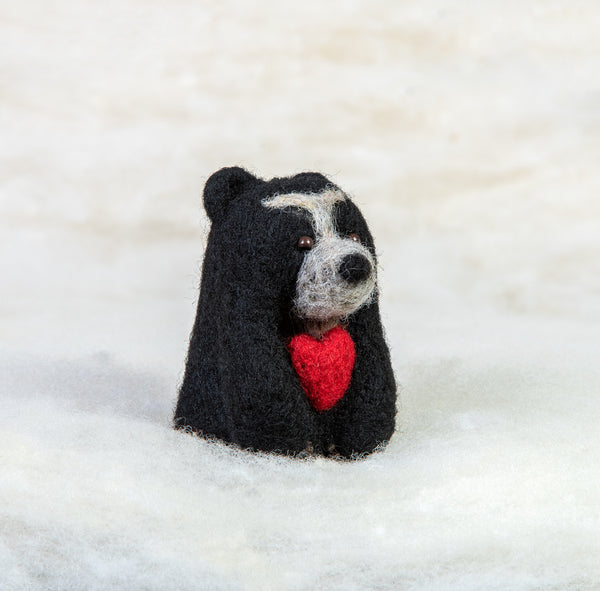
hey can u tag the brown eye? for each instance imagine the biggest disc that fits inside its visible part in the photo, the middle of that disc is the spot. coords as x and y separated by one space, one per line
306 242
354 237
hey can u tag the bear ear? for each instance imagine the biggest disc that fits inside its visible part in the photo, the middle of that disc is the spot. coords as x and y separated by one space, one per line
223 186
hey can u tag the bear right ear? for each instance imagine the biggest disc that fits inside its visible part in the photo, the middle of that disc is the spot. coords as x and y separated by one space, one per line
223 186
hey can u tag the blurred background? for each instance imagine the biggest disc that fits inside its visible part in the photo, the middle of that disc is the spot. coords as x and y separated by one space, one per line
468 133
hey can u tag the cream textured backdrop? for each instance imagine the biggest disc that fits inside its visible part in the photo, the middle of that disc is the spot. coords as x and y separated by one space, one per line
469 133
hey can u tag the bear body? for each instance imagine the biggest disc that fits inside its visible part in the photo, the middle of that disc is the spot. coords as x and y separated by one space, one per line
287 353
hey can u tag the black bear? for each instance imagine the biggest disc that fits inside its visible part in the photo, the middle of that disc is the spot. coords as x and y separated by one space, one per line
287 353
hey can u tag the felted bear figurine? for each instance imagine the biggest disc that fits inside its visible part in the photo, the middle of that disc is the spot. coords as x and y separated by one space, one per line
287 352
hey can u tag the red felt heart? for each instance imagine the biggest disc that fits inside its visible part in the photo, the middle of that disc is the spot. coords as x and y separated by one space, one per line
324 365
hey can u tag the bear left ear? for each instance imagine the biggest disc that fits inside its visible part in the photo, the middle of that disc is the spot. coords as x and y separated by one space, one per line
223 186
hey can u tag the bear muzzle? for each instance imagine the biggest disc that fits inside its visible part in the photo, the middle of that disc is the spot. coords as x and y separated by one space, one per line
337 278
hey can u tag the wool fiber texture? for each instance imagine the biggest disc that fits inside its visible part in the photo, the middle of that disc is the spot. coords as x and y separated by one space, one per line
468 135
324 366
257 290
322 293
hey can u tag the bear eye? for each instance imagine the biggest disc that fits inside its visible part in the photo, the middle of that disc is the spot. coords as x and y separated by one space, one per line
305 242
354 237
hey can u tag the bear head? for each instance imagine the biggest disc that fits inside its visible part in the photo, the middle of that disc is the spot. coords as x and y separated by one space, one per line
314 240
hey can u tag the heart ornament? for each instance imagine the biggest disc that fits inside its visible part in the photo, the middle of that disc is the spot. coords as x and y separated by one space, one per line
324 366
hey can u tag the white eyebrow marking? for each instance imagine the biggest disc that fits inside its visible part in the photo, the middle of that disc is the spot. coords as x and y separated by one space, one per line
319 205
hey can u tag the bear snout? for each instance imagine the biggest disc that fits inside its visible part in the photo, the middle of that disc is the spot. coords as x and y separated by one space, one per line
354 268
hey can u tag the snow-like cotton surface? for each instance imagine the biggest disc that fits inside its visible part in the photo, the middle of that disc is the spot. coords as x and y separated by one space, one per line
468 132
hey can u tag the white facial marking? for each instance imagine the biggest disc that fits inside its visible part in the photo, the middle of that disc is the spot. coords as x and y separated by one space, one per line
319 205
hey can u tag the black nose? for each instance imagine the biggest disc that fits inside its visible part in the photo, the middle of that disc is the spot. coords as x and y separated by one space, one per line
355 268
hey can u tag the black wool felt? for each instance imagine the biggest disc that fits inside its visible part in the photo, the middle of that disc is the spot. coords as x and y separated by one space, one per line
240 385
